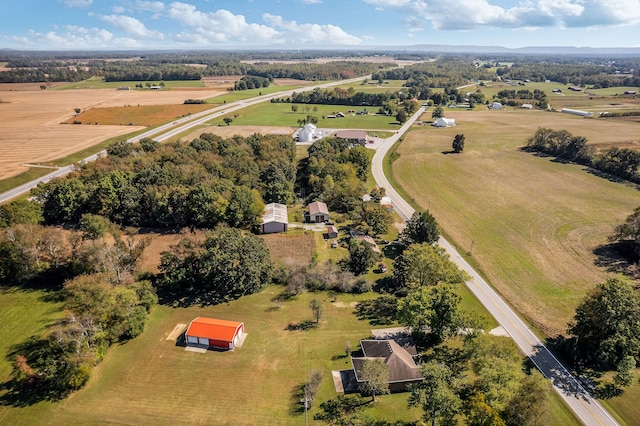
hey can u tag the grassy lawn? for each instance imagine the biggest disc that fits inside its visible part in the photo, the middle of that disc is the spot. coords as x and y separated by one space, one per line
99 83
29 175
145 115
280 114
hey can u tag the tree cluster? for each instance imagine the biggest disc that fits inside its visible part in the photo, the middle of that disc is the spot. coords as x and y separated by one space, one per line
224 266
142 72
620 162
251 82
335 171
337 96
208 181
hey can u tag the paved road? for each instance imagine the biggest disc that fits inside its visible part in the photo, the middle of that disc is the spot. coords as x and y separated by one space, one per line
169 130
586 408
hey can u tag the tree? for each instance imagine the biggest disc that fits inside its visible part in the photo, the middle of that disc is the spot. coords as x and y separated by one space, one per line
606 325
294 108
423 265
433 310
629 232
530 404
361 256
371 218
421 228
94 226
374 377
438 112
227 120
20 212
401 116
316 309
458 143
625 372
436 394
479 413
225 266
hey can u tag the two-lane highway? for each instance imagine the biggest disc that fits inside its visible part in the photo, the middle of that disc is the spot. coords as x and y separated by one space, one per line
586 408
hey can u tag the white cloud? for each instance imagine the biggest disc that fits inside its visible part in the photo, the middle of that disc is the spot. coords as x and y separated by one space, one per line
311 33
118 9
76 37
132 26
218 26
147 6
471 14
77 3
311 1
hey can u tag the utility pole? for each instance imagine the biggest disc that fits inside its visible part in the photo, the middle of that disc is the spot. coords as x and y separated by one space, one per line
306 407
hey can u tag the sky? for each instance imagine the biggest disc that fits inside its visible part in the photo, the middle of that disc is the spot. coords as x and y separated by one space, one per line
315 24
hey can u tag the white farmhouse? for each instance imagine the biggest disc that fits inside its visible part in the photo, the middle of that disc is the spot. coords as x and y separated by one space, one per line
444 122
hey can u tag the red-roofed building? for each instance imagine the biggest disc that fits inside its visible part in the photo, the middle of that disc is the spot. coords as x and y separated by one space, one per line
214 333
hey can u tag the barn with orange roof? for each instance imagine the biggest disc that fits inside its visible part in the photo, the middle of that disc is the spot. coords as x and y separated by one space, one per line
215 333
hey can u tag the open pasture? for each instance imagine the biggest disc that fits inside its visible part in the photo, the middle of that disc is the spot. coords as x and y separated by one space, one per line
280 114
533 222
31 129
99 83
230 131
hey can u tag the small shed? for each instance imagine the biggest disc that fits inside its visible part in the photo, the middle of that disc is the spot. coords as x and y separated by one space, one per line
332 232
527 106
215 333
496 105
444 122
318 212
275 218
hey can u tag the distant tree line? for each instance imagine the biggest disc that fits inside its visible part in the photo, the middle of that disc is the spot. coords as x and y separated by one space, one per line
337 96
512 97
137 72
207 181
620 162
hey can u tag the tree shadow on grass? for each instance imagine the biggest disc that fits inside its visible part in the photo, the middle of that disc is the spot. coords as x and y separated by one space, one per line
380 311
301 326
296 407
618 257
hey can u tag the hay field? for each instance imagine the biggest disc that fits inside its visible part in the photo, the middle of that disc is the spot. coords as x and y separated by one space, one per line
534 223
31 129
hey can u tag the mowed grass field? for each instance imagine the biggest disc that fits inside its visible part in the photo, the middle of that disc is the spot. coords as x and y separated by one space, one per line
99 83
534 223
280 114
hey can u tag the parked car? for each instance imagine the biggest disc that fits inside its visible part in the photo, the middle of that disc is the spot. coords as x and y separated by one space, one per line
328 222
334 244
384 242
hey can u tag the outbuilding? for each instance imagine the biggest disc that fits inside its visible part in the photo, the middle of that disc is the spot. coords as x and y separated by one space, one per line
332 232
318 212
444 122
358 137
215 333
275 218
307 133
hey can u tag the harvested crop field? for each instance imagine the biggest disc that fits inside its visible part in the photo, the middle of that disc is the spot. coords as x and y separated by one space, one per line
145 115
229 131
31 129
532 223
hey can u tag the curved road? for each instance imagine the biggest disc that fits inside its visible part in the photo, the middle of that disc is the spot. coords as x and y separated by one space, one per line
585 407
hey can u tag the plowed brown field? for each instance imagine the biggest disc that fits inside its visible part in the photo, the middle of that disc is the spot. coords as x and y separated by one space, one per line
31 131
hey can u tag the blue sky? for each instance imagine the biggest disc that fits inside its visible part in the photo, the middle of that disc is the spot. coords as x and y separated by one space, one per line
286 24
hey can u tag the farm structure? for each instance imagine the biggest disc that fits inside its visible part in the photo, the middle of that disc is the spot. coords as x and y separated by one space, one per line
307 133
403 370
318 212
353 136
444 122
332 232
275 218
496 105
577 112
215 333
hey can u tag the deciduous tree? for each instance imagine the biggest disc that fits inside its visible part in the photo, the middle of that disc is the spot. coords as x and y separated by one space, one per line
421 228
606 325
458 143
425 265
374 377
436 394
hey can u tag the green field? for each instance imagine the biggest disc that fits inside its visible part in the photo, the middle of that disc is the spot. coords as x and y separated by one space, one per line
534 222
240 95
612 91
99 83
280 114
